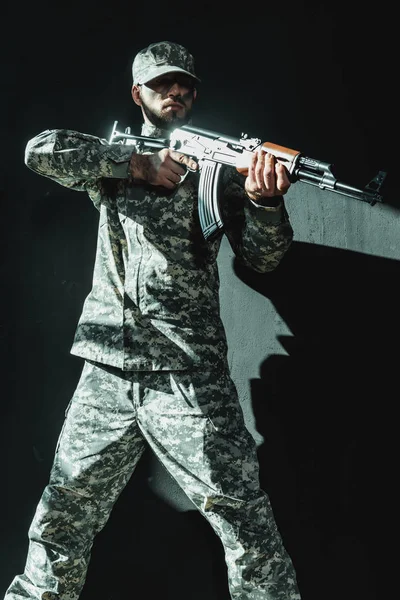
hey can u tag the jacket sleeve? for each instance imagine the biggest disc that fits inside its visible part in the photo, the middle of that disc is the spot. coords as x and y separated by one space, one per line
77 160
259 236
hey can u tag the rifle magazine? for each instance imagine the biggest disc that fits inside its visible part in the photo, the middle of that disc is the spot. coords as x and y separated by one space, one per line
208 198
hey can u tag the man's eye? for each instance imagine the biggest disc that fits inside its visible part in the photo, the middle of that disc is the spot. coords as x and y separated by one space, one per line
186 83
164 81
168 82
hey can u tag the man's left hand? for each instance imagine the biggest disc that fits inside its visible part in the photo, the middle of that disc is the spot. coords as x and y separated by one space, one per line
266 177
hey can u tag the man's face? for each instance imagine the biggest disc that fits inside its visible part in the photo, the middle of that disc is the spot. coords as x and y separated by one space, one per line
167 100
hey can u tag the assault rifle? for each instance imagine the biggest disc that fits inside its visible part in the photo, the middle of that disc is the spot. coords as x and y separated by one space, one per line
213 150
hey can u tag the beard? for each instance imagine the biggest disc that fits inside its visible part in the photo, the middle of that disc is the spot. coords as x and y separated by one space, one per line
168 120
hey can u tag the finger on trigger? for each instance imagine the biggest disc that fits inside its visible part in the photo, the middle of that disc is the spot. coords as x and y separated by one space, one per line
187 161
192 164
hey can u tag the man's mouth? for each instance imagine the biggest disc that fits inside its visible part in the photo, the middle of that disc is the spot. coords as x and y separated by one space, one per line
174 105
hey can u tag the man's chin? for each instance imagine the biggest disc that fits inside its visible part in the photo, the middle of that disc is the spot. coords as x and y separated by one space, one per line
174 120
172 115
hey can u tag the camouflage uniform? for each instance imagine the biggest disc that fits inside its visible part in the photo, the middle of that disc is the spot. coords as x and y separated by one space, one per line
155 372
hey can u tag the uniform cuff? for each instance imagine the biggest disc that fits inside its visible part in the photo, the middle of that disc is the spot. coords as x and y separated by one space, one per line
119 157
272 214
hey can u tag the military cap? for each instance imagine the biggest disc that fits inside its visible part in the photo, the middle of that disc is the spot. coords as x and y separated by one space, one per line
160 58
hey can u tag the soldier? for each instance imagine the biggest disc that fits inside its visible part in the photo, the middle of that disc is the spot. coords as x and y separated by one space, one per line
154 347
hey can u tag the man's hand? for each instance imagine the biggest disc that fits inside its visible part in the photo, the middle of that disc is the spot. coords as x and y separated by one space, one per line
164 168
266 177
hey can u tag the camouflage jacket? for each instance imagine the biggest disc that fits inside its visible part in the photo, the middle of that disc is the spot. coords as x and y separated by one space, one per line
154 303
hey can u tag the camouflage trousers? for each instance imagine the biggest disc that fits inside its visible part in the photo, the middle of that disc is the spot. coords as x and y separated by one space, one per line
194 423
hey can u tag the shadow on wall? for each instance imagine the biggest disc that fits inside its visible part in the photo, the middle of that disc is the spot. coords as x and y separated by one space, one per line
326 408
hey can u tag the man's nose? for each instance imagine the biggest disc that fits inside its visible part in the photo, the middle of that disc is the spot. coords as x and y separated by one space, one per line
175 89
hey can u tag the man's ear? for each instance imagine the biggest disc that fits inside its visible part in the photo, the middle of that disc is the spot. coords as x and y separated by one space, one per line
136 95
194 94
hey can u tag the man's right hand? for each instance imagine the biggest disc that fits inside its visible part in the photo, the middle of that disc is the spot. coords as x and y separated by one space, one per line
164 168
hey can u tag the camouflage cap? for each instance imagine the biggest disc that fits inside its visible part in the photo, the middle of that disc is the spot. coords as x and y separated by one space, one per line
160 58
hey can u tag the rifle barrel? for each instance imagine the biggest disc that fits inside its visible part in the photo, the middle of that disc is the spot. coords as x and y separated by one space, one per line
338 187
